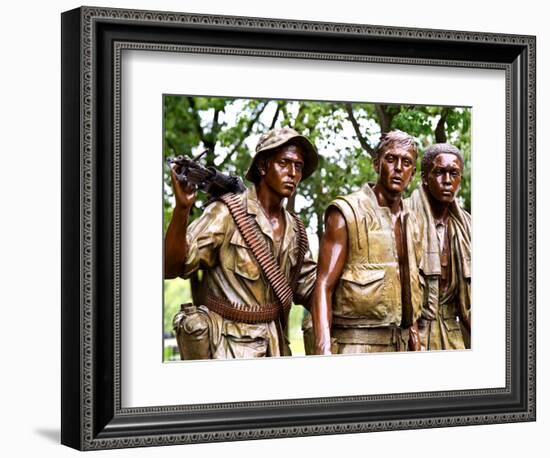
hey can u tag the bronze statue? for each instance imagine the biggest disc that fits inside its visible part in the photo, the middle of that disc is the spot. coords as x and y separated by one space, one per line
253 254
308 335
369 291
445 322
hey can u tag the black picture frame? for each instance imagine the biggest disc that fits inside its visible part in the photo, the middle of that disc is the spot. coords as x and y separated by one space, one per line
92 416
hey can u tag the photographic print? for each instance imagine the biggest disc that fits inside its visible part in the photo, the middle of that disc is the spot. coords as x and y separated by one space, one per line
304 227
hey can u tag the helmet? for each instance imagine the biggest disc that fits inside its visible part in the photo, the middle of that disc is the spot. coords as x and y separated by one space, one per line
278 137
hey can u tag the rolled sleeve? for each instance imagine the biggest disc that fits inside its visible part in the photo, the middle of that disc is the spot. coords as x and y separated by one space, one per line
205 235
306 280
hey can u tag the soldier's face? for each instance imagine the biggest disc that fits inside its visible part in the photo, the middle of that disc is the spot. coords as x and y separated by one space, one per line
443 180
283 170
396 167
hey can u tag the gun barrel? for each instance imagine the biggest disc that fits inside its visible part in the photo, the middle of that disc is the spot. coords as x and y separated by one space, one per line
207 179
196 158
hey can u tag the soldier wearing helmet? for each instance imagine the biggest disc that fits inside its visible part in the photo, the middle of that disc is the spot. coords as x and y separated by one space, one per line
233 280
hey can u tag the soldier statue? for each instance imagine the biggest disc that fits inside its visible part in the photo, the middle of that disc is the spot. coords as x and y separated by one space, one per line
252 252
369 290
445 322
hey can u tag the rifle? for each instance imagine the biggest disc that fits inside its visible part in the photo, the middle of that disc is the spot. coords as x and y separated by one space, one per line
207 179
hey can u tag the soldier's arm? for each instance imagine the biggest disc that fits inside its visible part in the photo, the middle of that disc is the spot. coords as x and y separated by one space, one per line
175 241
332 257
414 338
306 281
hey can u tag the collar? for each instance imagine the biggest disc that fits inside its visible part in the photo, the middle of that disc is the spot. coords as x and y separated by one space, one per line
455 212
253 207
367 189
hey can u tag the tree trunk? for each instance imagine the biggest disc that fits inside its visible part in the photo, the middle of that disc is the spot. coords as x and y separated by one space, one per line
385 116
440 134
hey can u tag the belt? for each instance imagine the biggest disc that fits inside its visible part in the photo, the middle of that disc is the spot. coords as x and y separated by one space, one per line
251 314
359 322
387 335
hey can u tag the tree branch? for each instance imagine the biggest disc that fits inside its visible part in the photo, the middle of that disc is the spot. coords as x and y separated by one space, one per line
210 139
285 115
215 123
299 120
196 119
249 127
362 140
384 118
276 115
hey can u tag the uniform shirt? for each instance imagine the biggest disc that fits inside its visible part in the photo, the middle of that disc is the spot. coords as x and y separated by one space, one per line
230 270
449 300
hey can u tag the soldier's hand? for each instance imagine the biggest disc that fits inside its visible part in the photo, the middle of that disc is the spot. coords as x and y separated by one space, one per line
322 347
184 193
422 324
414 338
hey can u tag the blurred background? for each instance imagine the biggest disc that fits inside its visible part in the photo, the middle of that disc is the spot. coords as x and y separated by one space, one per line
345 134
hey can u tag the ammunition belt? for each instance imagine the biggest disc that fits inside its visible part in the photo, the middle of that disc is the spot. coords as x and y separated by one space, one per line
303 246
263 255
251 314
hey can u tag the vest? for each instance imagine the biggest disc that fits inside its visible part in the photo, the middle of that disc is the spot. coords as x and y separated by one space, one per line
368 293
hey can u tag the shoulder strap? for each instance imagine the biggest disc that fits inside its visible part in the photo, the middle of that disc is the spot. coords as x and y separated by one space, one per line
249 230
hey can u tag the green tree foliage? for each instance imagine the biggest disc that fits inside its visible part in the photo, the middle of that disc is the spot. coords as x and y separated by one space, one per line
344 133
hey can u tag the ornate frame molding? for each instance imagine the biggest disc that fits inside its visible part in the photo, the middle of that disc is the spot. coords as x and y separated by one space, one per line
100 420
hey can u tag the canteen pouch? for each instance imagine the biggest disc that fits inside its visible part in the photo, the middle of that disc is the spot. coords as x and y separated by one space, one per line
192 329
